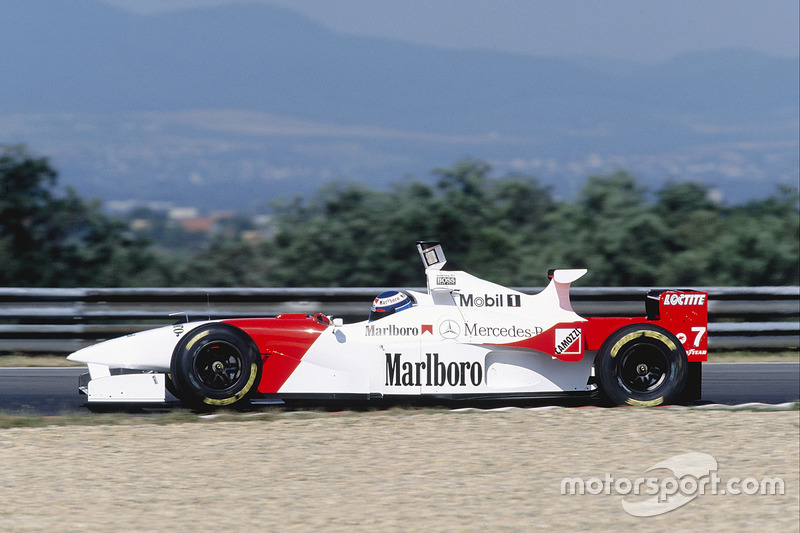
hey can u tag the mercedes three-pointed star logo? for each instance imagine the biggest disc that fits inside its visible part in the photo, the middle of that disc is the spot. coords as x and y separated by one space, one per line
449 329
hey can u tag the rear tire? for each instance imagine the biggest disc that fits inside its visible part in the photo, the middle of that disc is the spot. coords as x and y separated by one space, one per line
215 365
642 365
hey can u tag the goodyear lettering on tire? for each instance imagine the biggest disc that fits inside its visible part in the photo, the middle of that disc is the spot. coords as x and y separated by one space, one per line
642 333
645 403
196 338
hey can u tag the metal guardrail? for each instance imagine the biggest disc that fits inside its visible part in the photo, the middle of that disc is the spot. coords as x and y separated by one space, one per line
64 320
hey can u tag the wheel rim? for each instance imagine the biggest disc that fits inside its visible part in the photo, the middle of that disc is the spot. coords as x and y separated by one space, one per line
643 367
218 365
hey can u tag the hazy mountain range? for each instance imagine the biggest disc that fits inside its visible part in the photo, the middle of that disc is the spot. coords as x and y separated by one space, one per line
234 106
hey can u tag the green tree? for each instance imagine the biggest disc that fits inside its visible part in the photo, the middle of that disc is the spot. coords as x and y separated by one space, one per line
508 229
760 244
612 231
56 239
230 262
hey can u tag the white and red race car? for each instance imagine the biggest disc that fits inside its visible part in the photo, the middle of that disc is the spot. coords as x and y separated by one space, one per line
465 338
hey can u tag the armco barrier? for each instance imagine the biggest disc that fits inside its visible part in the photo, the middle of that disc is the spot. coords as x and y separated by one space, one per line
63 320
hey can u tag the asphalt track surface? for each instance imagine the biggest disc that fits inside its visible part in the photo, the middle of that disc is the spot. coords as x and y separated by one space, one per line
53 391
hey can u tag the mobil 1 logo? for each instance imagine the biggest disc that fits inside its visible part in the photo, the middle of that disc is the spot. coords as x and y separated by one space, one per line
489 300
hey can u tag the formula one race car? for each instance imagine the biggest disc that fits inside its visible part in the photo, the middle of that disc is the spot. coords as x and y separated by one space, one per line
465 338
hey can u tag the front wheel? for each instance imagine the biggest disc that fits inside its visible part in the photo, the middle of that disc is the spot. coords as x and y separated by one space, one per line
642 365
215 365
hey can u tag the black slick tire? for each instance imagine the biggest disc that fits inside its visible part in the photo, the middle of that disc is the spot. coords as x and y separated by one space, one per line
215 365
641 365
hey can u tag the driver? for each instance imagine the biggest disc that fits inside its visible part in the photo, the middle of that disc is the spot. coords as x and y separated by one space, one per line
389 302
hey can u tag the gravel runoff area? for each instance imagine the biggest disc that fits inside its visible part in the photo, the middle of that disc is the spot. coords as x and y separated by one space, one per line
399 470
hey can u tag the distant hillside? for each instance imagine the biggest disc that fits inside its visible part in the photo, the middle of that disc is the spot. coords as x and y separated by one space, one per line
262 102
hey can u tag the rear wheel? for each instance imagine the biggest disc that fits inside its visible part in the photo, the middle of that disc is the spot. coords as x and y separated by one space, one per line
215 365
641 365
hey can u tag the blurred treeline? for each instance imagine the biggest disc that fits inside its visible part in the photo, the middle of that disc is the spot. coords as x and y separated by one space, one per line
510 230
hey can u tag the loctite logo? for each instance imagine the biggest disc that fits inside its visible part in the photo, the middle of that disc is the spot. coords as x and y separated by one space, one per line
489 300
684 299
431 372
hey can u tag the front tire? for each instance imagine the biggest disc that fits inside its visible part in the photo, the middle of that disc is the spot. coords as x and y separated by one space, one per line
642 365
215 365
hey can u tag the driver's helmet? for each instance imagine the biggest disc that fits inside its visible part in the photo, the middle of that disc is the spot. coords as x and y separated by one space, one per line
389 302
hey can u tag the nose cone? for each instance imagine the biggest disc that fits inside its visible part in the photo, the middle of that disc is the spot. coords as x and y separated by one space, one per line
94 353
146 350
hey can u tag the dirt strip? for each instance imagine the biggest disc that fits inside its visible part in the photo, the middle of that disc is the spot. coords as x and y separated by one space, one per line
399 470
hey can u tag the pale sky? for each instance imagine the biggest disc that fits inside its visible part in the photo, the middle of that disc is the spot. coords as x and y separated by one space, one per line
639 30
